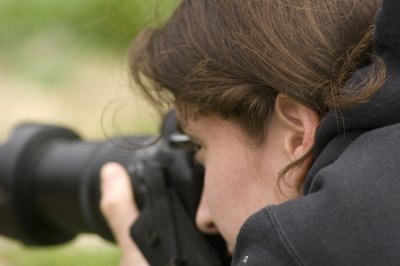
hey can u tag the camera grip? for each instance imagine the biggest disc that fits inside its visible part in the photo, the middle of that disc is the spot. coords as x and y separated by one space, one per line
165 233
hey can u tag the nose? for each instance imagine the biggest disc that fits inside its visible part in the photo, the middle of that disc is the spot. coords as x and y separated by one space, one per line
204 219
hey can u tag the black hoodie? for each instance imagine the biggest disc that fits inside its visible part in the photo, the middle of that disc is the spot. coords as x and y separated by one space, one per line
350 211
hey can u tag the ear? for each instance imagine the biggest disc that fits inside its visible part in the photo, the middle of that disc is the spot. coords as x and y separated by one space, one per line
299 124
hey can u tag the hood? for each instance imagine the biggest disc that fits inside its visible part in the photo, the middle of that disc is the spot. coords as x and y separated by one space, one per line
382 109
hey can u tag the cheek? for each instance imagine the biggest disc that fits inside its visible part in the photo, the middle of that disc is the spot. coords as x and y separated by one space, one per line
227 191
237 184
222 187
226 177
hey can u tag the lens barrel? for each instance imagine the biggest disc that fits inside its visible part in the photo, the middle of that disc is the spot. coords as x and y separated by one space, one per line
49 183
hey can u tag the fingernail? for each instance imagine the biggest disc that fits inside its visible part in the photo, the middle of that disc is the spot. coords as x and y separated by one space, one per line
109 173
110 169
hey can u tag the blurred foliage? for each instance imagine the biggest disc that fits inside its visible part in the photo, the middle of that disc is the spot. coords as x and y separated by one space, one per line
103 23
58 58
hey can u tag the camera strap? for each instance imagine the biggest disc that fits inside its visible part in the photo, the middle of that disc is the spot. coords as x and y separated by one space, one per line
164 231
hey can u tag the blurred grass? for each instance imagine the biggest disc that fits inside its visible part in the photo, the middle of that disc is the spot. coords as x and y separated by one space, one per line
64 62
85 250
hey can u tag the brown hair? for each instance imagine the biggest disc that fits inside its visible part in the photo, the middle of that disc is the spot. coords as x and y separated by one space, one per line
232 57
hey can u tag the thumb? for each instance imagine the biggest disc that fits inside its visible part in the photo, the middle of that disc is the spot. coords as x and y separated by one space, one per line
117 200
119 209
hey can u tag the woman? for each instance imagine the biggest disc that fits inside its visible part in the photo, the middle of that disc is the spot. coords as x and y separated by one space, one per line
295 110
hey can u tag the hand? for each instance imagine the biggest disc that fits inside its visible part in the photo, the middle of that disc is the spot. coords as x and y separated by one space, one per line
118 207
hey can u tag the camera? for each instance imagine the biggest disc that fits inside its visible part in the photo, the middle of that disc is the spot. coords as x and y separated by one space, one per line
49 179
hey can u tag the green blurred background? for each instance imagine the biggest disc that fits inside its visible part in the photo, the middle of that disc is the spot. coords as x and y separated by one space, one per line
65 63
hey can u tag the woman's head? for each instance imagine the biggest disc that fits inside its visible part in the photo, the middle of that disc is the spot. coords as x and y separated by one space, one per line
251 79
232 57
240 179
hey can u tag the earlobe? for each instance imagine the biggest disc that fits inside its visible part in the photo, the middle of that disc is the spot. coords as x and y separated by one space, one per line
299 124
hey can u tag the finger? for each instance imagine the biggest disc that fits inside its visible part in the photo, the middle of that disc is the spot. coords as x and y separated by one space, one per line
117 200
119 208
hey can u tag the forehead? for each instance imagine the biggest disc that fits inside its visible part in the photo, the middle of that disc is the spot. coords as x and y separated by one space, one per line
187 118
195 125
